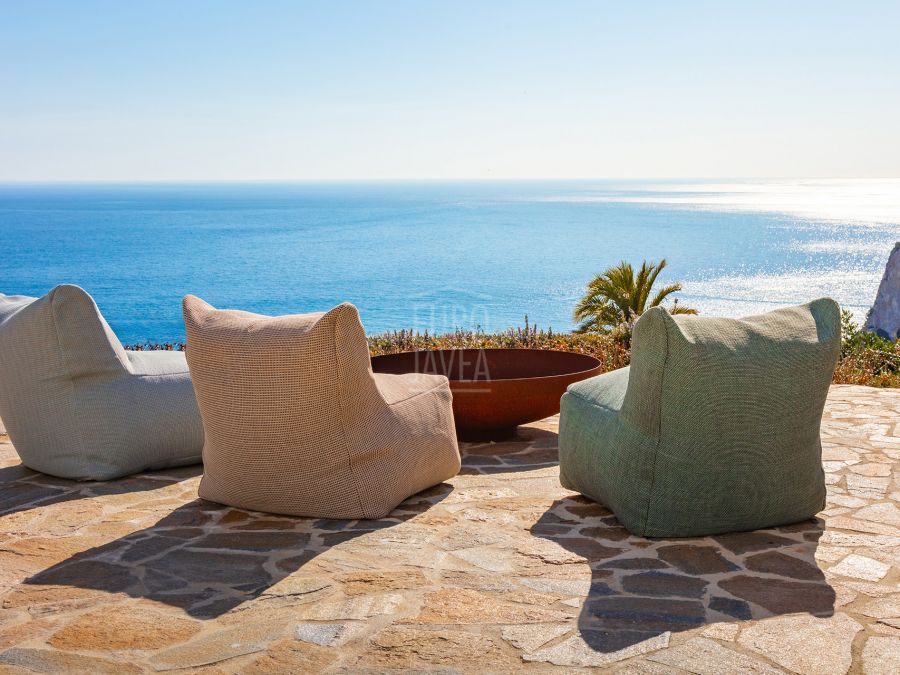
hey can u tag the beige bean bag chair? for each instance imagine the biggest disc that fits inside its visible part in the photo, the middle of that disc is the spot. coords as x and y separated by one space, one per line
297 423
78 405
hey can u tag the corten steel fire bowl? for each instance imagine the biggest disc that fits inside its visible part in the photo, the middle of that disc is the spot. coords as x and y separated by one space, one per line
495 390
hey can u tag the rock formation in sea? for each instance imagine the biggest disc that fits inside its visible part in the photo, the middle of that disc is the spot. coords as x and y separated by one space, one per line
884 317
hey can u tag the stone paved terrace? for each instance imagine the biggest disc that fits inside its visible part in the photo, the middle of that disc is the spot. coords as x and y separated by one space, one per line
499 570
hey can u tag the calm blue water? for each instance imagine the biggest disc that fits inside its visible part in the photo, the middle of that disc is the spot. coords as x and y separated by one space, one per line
437 256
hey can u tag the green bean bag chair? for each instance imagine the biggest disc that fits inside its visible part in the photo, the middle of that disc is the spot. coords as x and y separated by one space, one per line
713 428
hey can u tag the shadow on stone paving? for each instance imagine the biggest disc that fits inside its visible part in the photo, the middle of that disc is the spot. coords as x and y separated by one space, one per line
641 588
533 448
208 559
22 489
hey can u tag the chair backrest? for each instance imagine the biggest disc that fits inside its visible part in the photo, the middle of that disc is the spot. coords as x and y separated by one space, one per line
46 345
277 395
738 381
733 410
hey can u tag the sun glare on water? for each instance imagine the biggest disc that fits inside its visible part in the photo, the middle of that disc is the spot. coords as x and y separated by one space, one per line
847 201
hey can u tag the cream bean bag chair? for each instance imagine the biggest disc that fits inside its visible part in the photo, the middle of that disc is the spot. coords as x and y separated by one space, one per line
77 405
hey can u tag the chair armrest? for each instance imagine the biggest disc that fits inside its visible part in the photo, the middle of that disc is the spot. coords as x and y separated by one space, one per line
606 390
397 388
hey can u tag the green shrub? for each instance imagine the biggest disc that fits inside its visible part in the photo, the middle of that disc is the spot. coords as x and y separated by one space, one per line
610 351
866 358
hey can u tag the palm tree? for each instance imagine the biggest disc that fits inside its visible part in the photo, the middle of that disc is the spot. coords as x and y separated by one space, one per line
615 299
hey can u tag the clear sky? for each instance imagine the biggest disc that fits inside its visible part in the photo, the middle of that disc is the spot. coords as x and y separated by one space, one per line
217 90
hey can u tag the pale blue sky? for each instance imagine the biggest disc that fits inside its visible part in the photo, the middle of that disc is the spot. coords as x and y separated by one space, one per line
424 89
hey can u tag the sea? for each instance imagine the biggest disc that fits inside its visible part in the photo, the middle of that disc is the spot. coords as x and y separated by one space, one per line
441 256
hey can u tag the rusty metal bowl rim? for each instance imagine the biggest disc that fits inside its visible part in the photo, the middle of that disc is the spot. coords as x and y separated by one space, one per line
567 373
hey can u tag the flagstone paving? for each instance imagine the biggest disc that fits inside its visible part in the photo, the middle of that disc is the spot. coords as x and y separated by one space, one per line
498 570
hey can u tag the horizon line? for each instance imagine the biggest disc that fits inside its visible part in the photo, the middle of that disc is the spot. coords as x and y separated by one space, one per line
299 181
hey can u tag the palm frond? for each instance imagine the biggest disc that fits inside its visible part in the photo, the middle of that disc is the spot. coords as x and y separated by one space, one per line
663 293
651 279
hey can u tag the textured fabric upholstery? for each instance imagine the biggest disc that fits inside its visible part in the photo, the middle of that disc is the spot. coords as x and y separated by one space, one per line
297 423
713 428
77 405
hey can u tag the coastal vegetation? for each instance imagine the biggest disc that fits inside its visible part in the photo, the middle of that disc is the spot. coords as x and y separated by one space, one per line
610 350
865 358
615 299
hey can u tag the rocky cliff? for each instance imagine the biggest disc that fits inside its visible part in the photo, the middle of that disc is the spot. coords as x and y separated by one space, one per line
884 317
